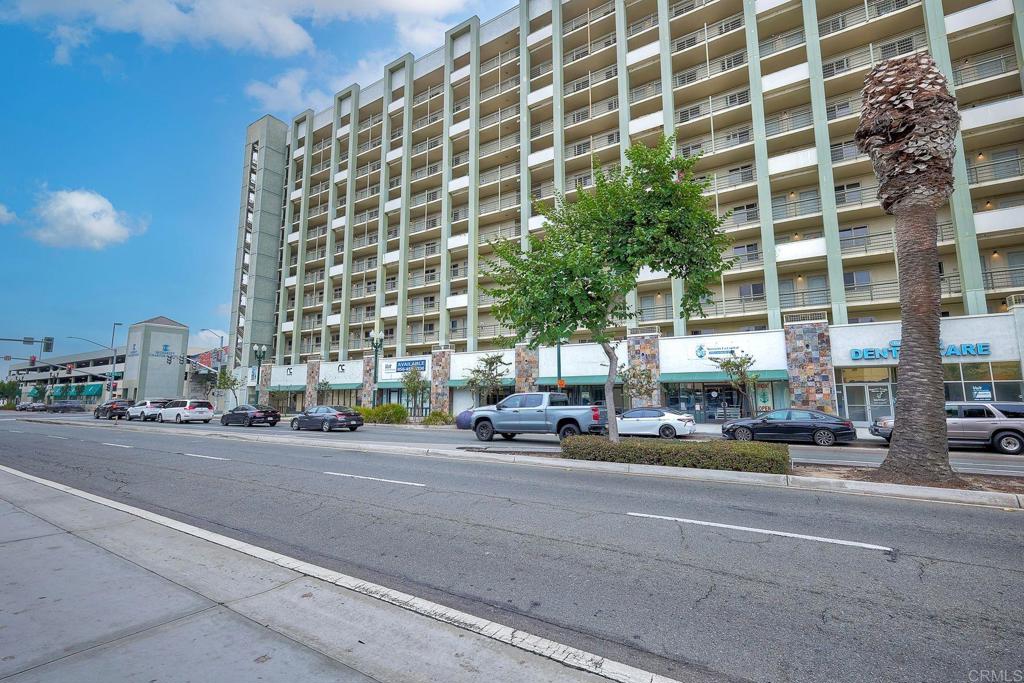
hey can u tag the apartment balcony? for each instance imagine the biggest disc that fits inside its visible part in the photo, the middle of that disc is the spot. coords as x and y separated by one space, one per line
804 299
999 279
591 144
370 122
457 333
421 280
499 145
356 344
835 30
366 169
985 65
316 211
430 93
655 314
502 172
542 69
867 244
366 240
428 337
366 192
424 224
506 57
735 307
431 143
500 203
366 216
425 121
592 111
841 106
854 62
706 71
740 219
857 197
590 16
789 120
500 232
576 54
494 330
719 182
503 114
715 104
780 42
590 80
782 211
996 171
424 250
708 33
425 197
750 260
718 141
422 308
508 85
370 144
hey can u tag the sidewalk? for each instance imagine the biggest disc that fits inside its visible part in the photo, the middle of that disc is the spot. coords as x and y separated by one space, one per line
93 593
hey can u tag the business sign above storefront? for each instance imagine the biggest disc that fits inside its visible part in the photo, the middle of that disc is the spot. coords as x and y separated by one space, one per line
892 351
407 365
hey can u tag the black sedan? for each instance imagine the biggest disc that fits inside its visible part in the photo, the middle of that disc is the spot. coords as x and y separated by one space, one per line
792 425
251 415
117 407
66 407
326 418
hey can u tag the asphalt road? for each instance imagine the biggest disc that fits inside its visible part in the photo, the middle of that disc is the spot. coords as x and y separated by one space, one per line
861 588
869 454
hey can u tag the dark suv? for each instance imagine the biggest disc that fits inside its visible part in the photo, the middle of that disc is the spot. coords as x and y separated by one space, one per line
117 407
66 407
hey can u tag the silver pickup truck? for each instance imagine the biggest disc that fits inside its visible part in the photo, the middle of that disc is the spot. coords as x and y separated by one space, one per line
537 413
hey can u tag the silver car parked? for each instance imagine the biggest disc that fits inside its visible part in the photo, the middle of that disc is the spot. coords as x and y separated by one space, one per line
997 424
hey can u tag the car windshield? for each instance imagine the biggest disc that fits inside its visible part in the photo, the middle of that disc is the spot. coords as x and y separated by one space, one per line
201 404
262 407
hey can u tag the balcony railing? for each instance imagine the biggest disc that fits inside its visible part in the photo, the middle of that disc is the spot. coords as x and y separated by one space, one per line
499 173
424 197
457 333
425 223
712 105
801 207
539 70
843 105
421 307
705 71
995 170
494 330
781 41
499 145
641 25
718 141
749 259
737 306
502 114
427 337
857 196
862 244
651 313
591 79
499 203
709 32
594 142
422 279
576 54
499 59
500 232
372 121
785 121
860 14
433 91
368 168
723 180
874 53
1003 278
745 217
642 92
807 297
845 151
424 250
875 291
582 20
985 65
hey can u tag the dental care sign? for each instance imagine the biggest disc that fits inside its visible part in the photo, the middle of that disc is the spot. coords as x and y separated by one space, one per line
892 350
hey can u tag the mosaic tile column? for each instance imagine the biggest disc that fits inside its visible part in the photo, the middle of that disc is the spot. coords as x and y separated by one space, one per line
809 361
644 353
263 383
366 391
440 370
312 377
527 368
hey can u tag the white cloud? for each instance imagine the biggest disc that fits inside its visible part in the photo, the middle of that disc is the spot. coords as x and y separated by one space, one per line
223 309
68 38
287 93
206 339
81 218
6 215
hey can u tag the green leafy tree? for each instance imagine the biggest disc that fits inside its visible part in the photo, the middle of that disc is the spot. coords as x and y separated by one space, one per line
321 388
485 380
228 382
8 391
638 382
415 384
737 369
651 213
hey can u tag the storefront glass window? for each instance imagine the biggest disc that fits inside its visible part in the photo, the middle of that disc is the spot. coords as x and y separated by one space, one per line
951 372
865 375
1009 391
976 372
954 391
979 391
1006 370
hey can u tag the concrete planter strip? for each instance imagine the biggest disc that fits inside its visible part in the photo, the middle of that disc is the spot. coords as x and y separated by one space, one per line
924 493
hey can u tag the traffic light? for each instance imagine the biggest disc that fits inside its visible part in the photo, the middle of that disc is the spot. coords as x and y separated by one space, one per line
47 344
70 367
31 361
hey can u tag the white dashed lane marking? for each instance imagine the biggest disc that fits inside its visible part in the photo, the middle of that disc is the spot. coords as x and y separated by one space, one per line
387 481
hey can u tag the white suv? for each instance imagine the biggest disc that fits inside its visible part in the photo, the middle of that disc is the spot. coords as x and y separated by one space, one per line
186 410
147 409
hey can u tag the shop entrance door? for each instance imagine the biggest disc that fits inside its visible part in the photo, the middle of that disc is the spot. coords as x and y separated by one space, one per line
721 402
880 401
866 402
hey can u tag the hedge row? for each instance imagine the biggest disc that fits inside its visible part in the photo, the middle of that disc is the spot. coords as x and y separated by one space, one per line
386 414
738 456
437 417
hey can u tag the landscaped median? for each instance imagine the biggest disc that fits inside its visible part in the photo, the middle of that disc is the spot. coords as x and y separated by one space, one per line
735 456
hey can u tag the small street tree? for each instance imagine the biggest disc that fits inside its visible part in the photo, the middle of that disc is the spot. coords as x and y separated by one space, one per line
415 384
321 388
40 392
228 382
638 382
651 213
737 370
8 391
485 380
908 126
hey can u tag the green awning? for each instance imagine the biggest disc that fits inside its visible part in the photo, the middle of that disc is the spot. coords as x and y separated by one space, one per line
34 392
59 390
288 387
505 382
347 385
93 389
390 385
575 381
719 376
74 389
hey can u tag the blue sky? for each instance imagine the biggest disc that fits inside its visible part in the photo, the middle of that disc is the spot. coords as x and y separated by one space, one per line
121 128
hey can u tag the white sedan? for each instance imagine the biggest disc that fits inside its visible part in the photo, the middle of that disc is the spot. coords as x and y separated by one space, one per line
664 422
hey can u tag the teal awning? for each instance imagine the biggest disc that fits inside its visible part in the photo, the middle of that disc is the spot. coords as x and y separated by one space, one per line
719 376
287 387
389 385
347 385
93 390
505 382
575 381
58 390
74 390
34 392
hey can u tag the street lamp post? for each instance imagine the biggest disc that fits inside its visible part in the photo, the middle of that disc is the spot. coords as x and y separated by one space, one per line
259 352
377 342
113 358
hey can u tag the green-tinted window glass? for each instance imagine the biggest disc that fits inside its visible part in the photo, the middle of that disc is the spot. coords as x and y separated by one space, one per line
851 375
951 372
1006 370
976 371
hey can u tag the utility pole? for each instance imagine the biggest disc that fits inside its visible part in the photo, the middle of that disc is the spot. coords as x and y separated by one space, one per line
113 358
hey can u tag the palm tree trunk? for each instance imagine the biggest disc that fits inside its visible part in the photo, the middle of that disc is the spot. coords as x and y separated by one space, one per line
609 391
919 450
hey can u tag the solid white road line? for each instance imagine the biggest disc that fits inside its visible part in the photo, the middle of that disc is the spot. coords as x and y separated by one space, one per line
388 481
54 436
569 656
15 431
769 532
117 445
208 457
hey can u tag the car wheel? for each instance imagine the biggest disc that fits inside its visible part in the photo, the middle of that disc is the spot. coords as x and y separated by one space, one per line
1009 443
224 420
295 424
248 422
325 426
177 418
824 437
160 417
484 430
96 416
352 429
206 422
743 434
128 417
568 430
273 423
667 432
507 436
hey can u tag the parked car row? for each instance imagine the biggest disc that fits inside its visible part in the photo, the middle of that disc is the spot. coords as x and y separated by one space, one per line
55 407
162 410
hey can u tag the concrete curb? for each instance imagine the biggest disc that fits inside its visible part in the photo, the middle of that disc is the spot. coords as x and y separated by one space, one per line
821 484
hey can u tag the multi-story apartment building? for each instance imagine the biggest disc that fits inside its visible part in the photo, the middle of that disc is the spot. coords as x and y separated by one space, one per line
380 211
